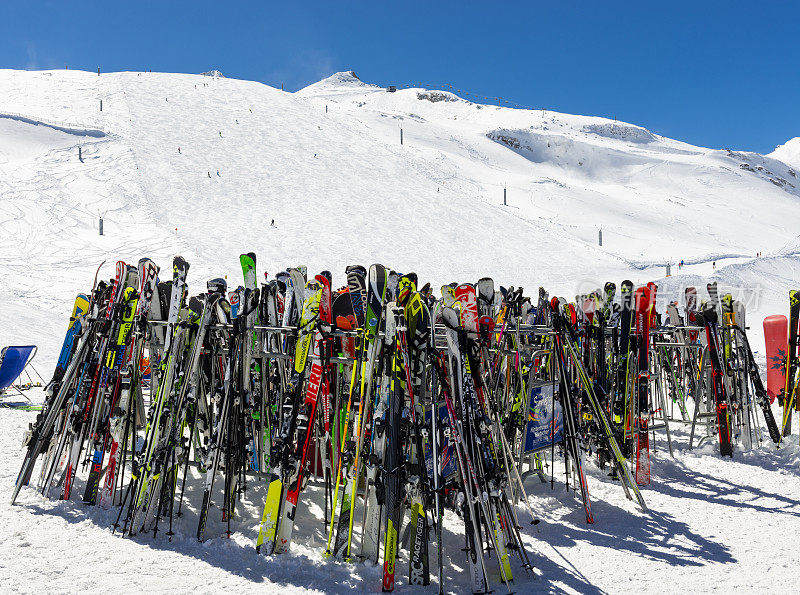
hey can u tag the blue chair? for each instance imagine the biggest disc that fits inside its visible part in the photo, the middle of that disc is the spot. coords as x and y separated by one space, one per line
13 361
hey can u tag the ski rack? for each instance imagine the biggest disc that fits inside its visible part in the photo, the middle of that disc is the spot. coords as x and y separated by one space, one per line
663 379
696 380
536 330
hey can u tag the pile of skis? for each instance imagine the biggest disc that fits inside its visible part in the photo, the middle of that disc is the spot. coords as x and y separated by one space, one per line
694 367
401 406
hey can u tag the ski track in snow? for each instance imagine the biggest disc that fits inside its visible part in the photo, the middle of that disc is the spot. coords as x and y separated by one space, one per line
342 190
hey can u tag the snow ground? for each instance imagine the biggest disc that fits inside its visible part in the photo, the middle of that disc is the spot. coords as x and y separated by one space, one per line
327 165
714 526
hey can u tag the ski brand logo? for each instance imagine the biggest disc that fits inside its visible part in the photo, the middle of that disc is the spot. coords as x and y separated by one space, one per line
359 304
778 361
147 288
414 306
97 461
469 311
391 553
417 568
313 382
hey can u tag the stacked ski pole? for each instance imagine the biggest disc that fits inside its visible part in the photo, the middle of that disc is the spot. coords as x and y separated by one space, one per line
400 408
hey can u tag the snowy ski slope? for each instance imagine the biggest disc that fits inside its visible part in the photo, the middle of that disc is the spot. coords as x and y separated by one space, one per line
327 165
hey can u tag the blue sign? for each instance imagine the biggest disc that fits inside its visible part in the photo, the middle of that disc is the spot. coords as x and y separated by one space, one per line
545 418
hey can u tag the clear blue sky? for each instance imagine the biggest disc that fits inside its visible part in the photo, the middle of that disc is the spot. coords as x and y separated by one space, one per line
718 74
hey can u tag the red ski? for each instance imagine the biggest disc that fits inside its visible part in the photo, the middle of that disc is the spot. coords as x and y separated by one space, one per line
643 297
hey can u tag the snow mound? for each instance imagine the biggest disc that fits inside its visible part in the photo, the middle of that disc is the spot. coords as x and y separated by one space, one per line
788 152
336 84
628 132
23 139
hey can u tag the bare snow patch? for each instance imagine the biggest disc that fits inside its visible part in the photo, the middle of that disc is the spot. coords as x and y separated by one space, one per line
437 96
627 132
565 152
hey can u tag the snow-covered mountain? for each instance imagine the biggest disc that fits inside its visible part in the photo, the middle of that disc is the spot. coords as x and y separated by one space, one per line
200 165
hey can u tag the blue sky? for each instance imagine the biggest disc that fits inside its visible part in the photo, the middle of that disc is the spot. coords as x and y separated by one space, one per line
718 74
